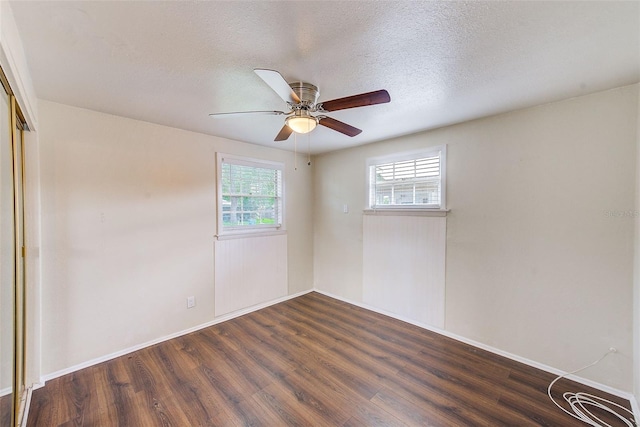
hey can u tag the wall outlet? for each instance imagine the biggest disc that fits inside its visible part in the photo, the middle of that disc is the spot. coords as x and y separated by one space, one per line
191 302
345 208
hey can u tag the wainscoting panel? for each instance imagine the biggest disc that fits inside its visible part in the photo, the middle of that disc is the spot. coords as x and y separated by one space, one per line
404 266
249 271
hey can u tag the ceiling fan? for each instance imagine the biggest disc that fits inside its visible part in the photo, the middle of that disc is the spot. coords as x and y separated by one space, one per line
301 98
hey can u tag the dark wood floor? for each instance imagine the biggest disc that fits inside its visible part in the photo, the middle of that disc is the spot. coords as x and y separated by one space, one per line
310 361
5 410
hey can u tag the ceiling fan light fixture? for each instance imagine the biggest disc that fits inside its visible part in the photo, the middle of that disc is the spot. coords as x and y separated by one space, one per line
303 123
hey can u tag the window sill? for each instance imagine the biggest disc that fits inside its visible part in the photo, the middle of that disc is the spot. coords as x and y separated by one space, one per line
248 234
407 212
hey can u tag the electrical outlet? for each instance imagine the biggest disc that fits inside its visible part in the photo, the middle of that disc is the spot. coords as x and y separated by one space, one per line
191 302
345 208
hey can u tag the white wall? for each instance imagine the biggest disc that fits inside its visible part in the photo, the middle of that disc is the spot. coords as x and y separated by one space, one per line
128 224
535 264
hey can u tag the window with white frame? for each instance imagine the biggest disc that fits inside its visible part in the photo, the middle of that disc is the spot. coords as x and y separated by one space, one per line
250 196
408 180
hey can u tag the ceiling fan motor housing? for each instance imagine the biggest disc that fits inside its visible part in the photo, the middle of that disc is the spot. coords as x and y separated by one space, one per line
307 92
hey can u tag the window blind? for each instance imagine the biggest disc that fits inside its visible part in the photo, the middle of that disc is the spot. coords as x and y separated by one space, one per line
412 182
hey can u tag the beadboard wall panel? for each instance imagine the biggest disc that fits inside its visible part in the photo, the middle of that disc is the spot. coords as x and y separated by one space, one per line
404 266
249 271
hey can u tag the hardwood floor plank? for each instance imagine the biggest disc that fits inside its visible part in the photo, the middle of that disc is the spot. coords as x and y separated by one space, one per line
58 409
140 374
355 361
290 413
106 413
5 410
363 410
464 406
218 375
312 360
445 400
77 390
461 361
378 325
42 406
367 355
411 413
310 356
261 348
451 382
371 344
120 393
346 328
250 413
372 415
310 398
184 386
240 363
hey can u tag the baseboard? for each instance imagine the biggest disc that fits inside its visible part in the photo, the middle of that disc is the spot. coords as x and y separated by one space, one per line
39 384
529 362
5 391
215 321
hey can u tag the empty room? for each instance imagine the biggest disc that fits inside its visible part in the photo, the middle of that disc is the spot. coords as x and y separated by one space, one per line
319 213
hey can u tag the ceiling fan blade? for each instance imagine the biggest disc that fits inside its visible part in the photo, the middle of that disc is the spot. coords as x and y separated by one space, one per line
364 99
240 113
279 85
284 133
339 126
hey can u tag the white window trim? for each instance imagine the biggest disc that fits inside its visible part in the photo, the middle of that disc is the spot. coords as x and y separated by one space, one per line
262 230
410 155
419 211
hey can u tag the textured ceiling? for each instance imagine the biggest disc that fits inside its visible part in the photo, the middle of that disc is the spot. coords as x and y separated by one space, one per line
173 62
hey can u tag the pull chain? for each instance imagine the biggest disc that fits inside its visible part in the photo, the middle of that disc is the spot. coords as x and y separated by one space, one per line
309 149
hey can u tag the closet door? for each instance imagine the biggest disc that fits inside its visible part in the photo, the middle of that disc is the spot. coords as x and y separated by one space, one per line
7 267
19 266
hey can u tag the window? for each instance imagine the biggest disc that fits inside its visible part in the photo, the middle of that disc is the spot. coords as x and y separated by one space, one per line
249 195
408 180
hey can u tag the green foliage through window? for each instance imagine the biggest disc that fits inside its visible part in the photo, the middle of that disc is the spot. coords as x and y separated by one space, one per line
251 195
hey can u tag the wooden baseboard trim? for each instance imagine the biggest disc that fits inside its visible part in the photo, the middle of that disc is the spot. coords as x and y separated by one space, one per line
215 321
